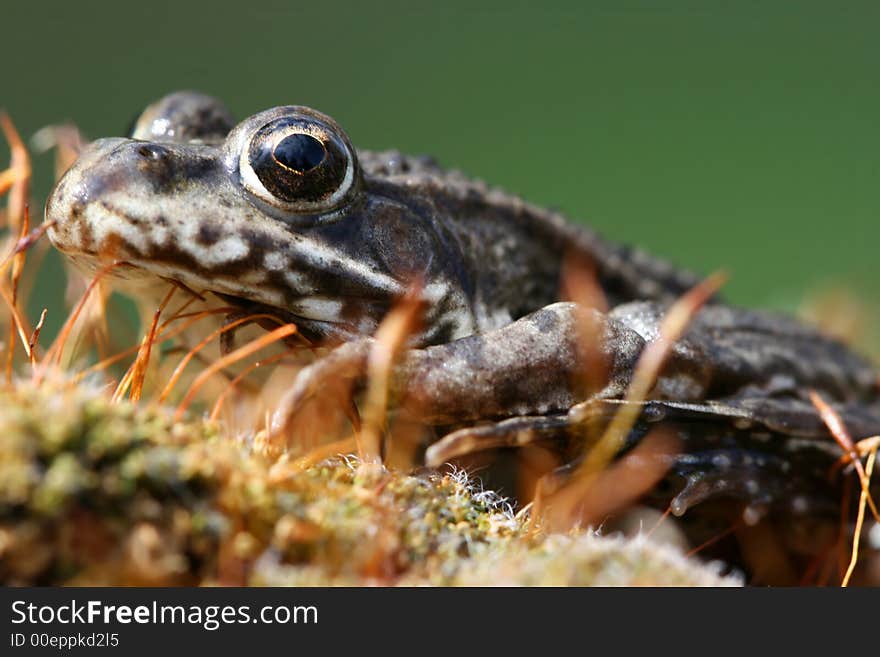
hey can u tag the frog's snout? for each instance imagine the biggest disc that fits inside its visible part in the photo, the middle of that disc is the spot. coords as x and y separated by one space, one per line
84 187
114 202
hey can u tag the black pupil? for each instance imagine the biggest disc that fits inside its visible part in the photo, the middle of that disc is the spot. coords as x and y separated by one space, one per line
300 152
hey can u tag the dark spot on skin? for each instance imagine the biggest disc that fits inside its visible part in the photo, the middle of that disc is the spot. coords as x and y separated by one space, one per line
87 238
208 235
545 320
162 220
76 209
259 242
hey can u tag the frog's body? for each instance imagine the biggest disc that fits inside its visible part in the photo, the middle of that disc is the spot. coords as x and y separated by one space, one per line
281 213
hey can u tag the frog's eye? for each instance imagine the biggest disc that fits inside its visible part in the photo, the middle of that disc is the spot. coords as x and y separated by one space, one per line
299 164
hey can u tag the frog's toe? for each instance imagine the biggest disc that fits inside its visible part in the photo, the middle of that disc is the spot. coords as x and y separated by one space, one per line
762 482
346 362
513 432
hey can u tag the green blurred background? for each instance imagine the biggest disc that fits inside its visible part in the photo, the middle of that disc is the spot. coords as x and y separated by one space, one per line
740 134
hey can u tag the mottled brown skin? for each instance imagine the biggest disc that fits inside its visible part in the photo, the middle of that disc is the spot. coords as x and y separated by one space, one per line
499 355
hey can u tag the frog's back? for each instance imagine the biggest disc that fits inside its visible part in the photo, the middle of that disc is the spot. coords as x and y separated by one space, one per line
514 251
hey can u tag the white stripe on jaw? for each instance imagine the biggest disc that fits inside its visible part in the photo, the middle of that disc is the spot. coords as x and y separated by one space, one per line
104 224
227 249
181 234
318 308
313 253
274 261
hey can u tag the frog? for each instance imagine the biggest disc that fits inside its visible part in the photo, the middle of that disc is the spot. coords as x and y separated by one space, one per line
281 215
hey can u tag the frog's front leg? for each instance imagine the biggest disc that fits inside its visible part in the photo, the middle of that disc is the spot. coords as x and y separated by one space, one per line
533 366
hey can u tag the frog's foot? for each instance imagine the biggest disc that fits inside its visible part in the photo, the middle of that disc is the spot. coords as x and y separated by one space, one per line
763 483
347 362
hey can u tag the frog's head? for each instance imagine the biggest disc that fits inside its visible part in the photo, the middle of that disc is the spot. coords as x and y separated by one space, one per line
276 214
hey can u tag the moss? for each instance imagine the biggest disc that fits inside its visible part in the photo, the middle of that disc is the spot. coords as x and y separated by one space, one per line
93 492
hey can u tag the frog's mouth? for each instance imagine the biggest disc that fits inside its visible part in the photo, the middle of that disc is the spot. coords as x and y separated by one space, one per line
319 319
323 331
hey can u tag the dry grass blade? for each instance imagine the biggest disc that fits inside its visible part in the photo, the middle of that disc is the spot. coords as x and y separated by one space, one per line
588 501
663 517
581 285
841 435
853 454
242 352
19 323
35 336
390 341
178 371
711 541
18 182
56 349
160 335
233 384
8 177
648 369
18 259
26 242
838 430
139 367
860 519
283 469
554 509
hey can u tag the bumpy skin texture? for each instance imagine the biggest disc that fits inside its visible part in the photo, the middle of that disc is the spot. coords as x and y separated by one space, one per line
183 200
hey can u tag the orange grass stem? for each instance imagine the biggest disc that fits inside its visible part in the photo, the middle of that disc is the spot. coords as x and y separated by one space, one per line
57 347
178 371
143 357
648 369
860 519
160 336
242 352
390 340
233 384
20 164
